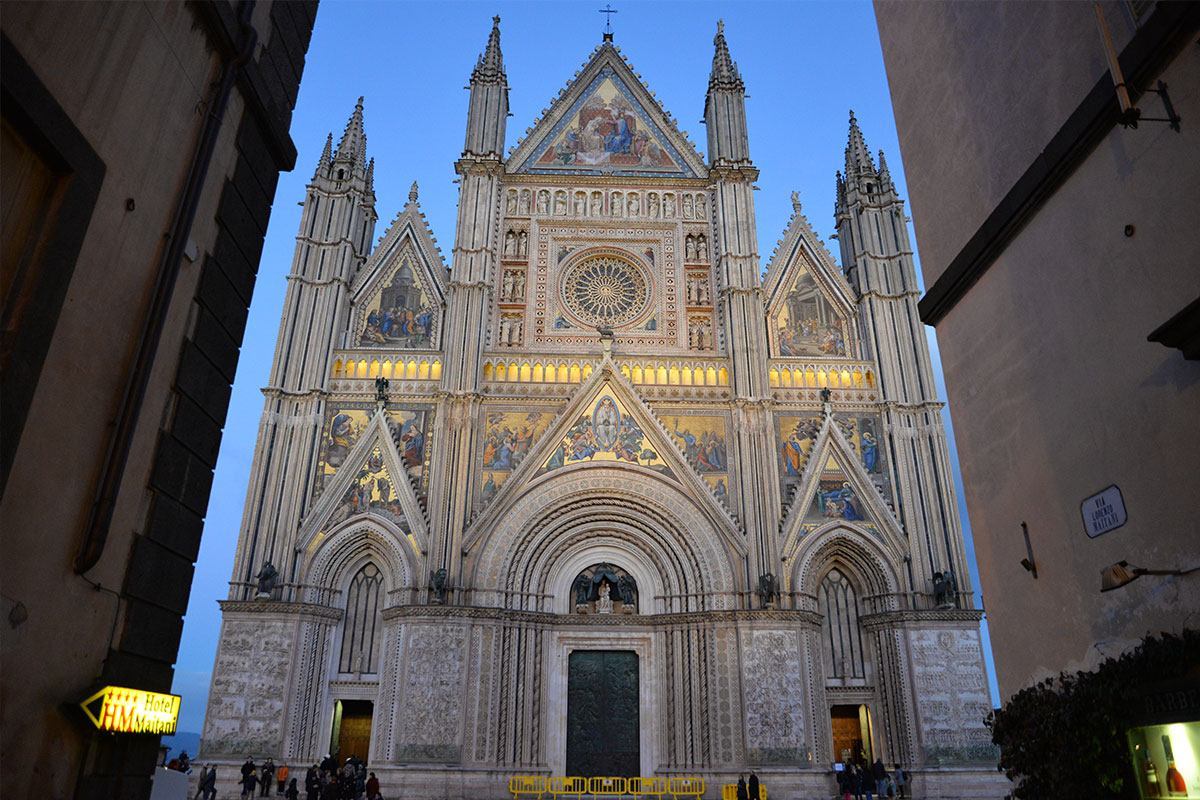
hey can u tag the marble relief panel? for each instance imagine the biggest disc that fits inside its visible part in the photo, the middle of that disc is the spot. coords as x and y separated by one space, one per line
250 677
433 694
774 701
951 695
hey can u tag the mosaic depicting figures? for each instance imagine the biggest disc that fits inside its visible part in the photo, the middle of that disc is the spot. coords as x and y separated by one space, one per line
702 439
806 323
798 434
402 312
508 437
608 432
345 424
607 130
371 492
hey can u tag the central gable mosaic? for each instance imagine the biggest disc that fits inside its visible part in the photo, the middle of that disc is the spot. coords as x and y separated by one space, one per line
605 431
607 131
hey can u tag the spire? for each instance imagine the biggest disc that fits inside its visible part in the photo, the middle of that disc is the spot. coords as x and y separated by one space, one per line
858 157
490 66
412 192
371 176
353 146
885 175
724 75
326 157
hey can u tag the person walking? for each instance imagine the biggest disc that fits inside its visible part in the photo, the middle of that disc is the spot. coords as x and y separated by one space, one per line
200 783
281 778
248 769
267 778
754 786
901 780
312 783
249 783
209 784
742 794
373 788
880 775
292 792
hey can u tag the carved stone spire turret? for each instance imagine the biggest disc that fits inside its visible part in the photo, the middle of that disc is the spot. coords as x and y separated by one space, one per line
353 146
326 157
858 157
488 110
725 107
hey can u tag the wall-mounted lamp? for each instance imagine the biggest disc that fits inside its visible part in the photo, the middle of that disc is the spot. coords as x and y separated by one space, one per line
1131 115
1117 575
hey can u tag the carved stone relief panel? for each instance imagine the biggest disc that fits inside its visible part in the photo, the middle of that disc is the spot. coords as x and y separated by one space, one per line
951 696
249 685
432 694
773 691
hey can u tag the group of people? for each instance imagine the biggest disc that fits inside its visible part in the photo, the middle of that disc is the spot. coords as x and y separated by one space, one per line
323 781
749 791
872 781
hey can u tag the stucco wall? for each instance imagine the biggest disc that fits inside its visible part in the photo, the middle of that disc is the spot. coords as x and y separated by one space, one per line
1055 391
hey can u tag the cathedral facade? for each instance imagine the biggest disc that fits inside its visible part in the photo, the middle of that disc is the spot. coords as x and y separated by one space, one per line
605 495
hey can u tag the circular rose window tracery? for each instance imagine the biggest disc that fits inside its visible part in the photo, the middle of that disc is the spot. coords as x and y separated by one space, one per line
605 290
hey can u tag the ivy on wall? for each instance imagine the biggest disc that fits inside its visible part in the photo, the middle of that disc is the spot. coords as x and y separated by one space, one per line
1065 737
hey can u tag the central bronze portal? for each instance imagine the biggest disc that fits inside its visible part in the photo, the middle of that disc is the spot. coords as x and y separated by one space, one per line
602 713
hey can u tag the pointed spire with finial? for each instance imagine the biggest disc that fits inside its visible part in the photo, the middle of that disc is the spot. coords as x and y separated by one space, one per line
724 73
858 157
490 66
412 192
326 157
353 146
885 175
371 176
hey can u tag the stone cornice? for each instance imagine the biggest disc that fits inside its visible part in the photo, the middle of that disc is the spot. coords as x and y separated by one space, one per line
280 607
887 619
546 619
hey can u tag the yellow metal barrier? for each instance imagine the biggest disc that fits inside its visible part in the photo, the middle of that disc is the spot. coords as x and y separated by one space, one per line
561 784
606 787
729 792
686 787
527 785
648 787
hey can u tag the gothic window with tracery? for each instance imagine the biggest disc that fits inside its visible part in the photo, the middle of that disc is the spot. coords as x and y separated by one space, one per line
360 636
838 603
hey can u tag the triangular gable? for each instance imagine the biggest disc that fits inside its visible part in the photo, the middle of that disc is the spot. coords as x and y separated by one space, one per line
606 423
810 307
606 122
372 482
836 489
399 296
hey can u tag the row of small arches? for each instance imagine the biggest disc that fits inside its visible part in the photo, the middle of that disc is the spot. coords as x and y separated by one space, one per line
811 377
651 374
652 205
412 369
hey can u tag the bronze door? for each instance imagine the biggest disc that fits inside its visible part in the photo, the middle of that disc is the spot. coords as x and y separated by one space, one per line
354 733
602 713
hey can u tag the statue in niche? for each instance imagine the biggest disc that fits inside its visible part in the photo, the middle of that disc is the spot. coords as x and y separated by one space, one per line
437 583
700 206
635 205
580 204
688 207
768 589
604 603
560 203
652 206
669 206
597 204
523 206
583 586
268 578
702 248
543 202
627 589
511 205
507 290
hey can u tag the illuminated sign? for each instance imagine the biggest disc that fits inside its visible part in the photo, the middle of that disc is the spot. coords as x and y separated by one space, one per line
117 709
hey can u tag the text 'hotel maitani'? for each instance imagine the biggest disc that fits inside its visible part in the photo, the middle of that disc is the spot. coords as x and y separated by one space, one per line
601 496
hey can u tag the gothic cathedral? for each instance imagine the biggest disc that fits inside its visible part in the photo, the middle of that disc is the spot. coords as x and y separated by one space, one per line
605 495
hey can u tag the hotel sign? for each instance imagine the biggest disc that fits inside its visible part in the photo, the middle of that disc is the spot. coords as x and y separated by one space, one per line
116 709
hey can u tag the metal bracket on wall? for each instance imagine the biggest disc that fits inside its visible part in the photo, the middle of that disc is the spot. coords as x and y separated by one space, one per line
1028 562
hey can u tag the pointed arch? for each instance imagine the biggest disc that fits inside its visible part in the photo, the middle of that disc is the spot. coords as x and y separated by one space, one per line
832 445
376 452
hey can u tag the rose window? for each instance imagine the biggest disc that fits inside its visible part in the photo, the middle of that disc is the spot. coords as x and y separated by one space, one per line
605 290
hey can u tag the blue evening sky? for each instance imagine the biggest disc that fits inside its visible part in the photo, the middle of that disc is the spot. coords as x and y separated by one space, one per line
805 65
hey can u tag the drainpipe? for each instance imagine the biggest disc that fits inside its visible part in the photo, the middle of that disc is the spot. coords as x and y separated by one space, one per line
117 454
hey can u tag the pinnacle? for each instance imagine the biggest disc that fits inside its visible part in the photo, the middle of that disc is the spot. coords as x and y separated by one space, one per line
326 155
412 192
489 68
725 73
353 146
858 157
